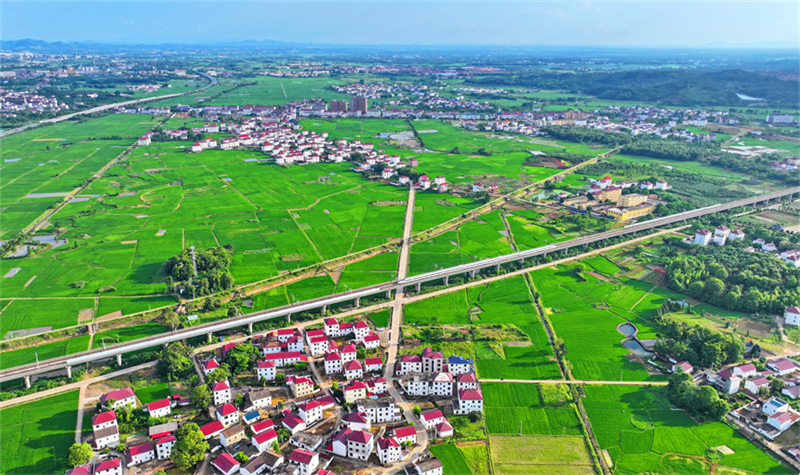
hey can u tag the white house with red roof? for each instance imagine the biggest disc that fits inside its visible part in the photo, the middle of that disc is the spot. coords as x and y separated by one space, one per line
409 364
226 464
444 429
353 370
264 440
227 414
380 410
682 367
332 328
703 237
469 400
300 386
143 140
389 450
140 454
373 364
293 422
210 365
266 370
262 426
348 353
441 384
782 367
357 421
108 467
355 391
378 385
160 408
361 329
477 187
221 391
212 429
791 316
306 461
405 434
424 182
311 412
466 381
105 430
371 341
432 361
431 418
333 362
120 397
745 371
164 447
754 385
360 445
318 345
286 358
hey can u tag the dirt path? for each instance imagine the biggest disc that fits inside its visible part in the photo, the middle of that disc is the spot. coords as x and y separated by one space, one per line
79 422
575 381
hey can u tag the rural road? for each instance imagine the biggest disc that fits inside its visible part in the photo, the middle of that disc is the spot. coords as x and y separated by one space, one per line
71 386
105 107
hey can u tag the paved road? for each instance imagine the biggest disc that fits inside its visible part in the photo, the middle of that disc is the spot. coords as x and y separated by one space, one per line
394 333
313 304
71 386
212 82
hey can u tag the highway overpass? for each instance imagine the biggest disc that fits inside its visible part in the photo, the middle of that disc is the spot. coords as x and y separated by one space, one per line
416 281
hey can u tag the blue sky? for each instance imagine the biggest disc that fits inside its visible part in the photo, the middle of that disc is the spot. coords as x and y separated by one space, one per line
594 23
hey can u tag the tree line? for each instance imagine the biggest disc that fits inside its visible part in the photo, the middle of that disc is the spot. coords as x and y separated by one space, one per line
212 267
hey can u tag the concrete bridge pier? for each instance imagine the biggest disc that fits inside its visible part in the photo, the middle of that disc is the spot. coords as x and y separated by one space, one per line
388 294
69 372
418 287
289 317
564 251
497 269
447 280
358 302
250 328
27 382
324 309
119 359
472 274
521 261
210 337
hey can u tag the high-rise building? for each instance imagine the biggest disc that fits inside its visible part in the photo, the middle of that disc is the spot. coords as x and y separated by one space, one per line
359 104
337 106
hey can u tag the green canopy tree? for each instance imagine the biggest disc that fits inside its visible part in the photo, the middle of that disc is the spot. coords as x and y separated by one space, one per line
190 448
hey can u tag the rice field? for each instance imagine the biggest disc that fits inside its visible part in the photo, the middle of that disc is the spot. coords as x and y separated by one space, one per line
643 433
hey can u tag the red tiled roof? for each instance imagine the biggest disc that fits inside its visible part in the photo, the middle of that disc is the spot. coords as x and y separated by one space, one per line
261 426
225 462
211 364
160 404
212 428
361 324
310 405
221 386
405 431
265 436
226 409
467 378
373 360
106 465
140 449
353 365
356 385
103 417
349 348
302 456
443 426
361 436
431 415
332 356
384 444
165 440
118 395
266 364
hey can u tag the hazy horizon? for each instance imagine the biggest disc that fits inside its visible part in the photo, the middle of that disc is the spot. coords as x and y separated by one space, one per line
602 24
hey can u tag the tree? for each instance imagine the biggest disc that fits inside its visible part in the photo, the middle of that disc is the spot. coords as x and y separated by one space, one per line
280 377
578 269
239 400
232 312
335 385
190 447
201 396
361 352
417 410
776 386
175 361
241 358
172 319
276 447
222 373
301 366
284 434
80 454
242 457
121 448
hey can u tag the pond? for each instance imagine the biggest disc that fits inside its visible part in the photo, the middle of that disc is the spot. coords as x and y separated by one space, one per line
627 329
50 239
636 348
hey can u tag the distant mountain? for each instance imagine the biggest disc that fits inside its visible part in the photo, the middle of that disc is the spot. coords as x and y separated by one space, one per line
92 46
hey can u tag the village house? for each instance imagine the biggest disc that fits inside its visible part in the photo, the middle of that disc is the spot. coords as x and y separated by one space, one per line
266 370
333 363
466 381
161 408
262 426
405 434
212 429
389 450
118 398
164 447
293 422
355 391
306 461
431 418
357 421
227 414
431 466
469 400
745 371
360 445
782 367
380 410
263 441
353 370
221 392
141 453
348 353
232 435
210 365
791 316
258 399
105 429
301 386
226 464
372 364
311 412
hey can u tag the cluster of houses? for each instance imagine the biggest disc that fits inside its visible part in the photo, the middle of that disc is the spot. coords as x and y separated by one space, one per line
722 235
769 417
12 102
606 198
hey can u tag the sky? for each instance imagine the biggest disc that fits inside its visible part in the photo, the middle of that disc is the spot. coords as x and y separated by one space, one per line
654 23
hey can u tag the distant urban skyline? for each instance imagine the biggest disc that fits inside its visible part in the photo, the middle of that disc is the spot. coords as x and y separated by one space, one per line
442 23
